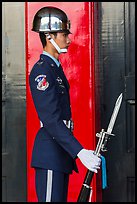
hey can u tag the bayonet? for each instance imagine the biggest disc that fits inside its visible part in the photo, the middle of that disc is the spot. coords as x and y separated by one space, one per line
104 136
114 114
86 191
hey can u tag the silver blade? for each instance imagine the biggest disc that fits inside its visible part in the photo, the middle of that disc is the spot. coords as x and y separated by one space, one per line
114 114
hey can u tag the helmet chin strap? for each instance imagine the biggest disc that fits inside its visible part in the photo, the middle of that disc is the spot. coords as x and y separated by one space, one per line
55 45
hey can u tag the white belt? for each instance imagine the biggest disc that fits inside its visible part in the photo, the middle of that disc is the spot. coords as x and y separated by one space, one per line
68 123
41 124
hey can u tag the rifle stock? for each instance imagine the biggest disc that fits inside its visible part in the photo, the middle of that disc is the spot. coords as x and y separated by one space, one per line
85 189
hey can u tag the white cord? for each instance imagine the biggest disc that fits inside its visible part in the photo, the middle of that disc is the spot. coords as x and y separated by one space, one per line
55 45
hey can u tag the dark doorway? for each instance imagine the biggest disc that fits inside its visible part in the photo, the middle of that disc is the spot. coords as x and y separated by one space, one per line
118 75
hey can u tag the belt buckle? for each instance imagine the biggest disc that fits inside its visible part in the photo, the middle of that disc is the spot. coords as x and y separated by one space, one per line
67 123
71 125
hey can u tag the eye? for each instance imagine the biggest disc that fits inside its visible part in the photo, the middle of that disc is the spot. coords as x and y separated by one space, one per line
65 35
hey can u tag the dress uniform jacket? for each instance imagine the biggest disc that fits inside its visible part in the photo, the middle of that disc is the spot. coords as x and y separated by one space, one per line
55 147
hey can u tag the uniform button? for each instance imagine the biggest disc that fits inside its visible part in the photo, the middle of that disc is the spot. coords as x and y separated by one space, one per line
53 138
62 92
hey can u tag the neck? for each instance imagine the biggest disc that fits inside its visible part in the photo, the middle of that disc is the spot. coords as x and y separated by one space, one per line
52 52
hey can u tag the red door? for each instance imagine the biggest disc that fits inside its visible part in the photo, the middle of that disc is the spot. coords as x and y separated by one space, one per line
78 66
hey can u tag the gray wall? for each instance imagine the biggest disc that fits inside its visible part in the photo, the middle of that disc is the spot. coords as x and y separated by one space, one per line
13 102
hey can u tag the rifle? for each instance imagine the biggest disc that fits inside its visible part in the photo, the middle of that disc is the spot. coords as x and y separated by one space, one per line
86 190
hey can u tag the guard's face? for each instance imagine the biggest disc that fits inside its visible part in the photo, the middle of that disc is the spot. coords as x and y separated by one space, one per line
62 40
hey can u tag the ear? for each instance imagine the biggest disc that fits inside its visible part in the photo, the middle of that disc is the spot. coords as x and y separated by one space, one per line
53 36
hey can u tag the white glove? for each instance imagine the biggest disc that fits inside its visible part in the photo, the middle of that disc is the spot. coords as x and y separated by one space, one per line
89 159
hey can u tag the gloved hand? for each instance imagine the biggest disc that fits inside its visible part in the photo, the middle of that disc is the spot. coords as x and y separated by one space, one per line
90 160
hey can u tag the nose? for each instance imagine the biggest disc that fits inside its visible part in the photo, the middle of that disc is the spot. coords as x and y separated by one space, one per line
68 40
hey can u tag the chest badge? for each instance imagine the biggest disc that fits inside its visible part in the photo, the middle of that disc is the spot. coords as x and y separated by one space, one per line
42 83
